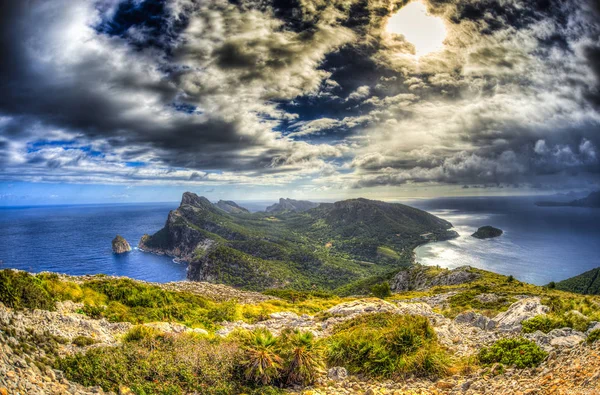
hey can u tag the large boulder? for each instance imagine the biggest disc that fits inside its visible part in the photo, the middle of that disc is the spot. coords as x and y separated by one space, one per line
120 245
524 309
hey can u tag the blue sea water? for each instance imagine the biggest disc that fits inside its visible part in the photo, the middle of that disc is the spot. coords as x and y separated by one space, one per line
539 244
77 240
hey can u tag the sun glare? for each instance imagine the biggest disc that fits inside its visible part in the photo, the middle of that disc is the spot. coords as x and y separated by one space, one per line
426 32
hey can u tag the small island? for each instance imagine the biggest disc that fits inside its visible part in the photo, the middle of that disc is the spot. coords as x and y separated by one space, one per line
487 232
120 245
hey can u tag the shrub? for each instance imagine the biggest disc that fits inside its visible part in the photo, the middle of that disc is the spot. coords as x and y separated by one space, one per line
226 311
546 323
510 279
140 332
261 362
92 311
303 357
174 364
552 285
82 341
21 290
382 290
520 353
387 344
593 336
542 323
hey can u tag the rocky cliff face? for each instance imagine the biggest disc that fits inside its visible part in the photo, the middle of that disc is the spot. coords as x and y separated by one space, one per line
120 245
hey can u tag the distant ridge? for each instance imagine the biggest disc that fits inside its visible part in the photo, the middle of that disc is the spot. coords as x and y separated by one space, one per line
231 206
592 200
291 205
586 283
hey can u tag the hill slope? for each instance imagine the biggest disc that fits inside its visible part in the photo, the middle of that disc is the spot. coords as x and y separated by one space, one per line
585 283
325 247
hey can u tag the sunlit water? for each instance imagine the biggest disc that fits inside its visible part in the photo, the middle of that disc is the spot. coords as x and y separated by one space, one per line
539 244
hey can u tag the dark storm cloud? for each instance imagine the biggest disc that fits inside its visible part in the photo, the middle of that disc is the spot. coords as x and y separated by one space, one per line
277 91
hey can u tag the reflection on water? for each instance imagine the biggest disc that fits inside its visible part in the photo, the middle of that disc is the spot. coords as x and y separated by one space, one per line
539 245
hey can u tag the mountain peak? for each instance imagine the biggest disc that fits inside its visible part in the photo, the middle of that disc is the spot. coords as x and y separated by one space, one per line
191 199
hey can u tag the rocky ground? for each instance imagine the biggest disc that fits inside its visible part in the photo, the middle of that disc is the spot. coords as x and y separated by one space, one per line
567 371
573 367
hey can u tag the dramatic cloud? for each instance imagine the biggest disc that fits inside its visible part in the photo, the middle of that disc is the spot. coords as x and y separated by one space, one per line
308 94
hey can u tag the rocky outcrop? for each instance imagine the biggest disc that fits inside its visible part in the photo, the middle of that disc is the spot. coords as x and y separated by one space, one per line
120 245
475 319
487 232
420 277
563 337
524 309
291 205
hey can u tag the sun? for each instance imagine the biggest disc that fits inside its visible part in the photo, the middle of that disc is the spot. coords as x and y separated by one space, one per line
426 32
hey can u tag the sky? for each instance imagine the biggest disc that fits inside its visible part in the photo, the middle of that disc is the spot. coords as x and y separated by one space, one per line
140 100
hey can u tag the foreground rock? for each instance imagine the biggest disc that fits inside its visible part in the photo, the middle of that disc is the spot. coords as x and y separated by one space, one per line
120 245
511 319
487 232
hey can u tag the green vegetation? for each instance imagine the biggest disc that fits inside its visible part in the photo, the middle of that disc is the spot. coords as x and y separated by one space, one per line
125 300
387 345
82 341
382 290
292 358
585 283
546 323
520 353
593 336
159 364
325 248
150 362
21 290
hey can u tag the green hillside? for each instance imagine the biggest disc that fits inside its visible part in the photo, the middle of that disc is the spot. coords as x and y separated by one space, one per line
324 247
585 283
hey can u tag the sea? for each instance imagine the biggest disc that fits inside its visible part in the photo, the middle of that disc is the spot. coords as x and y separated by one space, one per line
539 244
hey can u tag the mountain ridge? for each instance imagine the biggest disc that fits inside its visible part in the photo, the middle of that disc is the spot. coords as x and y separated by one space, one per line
326 246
